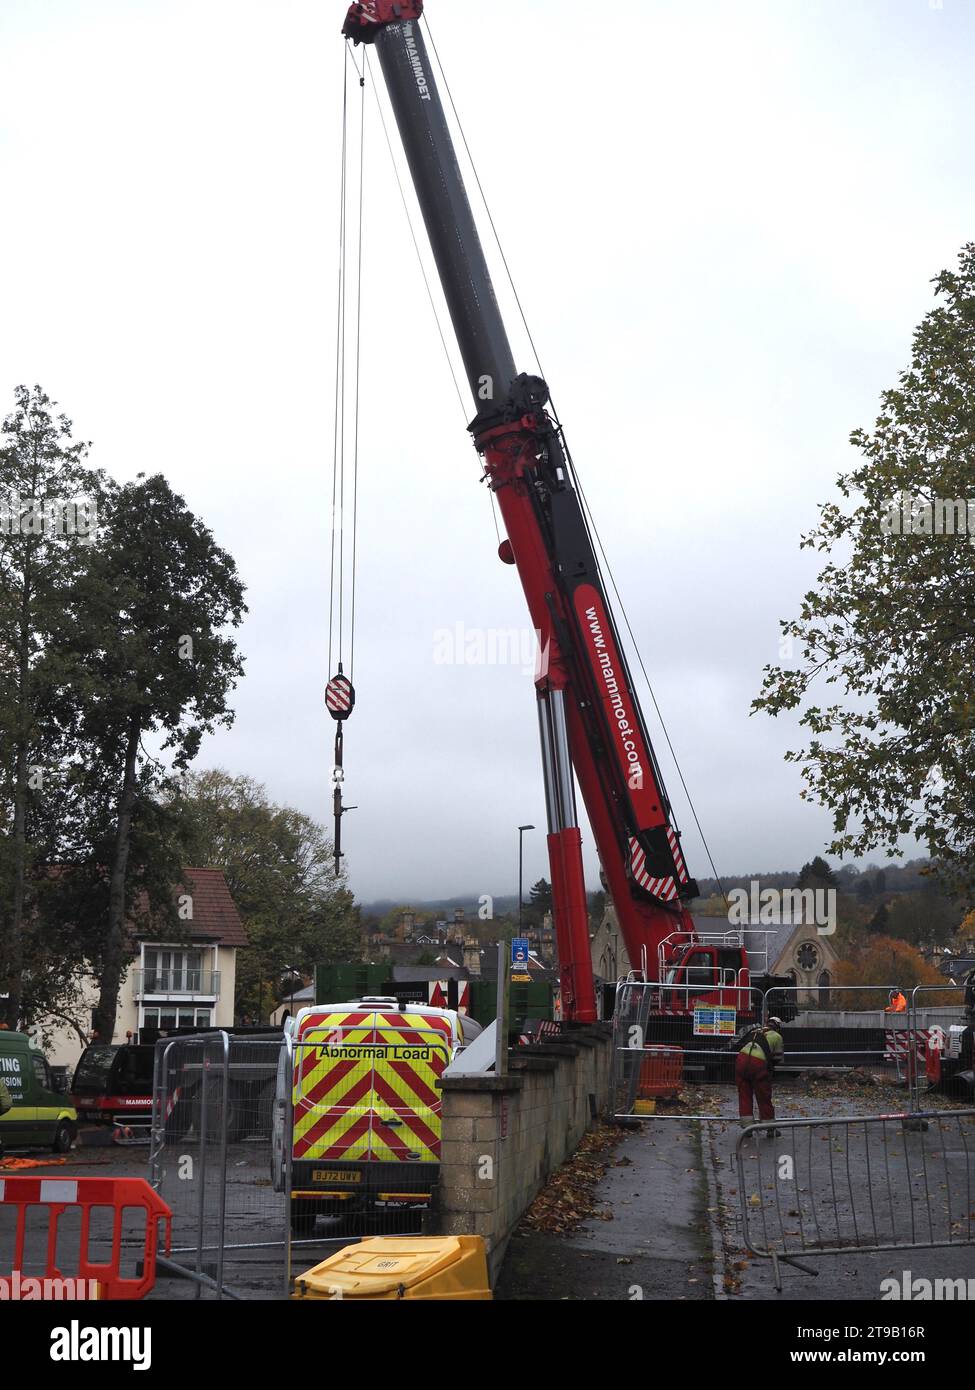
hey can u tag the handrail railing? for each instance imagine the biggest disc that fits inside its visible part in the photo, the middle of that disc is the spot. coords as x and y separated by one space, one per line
185 984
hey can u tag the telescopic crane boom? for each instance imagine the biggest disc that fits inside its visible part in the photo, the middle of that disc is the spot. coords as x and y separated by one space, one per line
590 720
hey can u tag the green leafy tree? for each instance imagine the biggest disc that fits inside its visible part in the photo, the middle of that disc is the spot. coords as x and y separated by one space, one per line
145 630
889 625
279 867
922 919
538 904
816 874
65 935
540 896
49 506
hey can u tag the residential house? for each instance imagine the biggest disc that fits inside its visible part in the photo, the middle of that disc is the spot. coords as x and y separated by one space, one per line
170 983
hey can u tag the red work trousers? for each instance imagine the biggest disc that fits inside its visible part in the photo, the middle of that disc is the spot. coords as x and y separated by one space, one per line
754 1084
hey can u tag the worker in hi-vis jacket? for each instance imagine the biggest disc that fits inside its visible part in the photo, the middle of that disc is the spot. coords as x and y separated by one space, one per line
762 1049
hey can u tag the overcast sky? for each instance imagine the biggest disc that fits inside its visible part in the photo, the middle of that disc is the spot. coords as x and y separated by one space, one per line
723 220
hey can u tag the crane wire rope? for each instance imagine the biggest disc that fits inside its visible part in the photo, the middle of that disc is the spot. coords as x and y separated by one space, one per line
587 512
358 356
340 692
348 362
338 423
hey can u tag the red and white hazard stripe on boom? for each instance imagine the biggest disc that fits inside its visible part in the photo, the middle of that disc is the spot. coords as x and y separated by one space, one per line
675 851
663 888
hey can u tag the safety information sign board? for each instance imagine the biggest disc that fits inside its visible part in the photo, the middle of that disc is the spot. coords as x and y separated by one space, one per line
715 1023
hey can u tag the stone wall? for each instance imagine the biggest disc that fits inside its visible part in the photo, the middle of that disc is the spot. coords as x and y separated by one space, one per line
504 1136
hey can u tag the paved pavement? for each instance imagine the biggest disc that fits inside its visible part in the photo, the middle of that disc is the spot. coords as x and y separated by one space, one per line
829 1167
657 1244
677 1202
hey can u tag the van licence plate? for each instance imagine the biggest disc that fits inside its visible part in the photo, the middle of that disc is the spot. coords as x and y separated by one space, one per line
326 1175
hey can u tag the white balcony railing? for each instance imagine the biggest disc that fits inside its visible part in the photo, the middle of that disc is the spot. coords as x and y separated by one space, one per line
177 984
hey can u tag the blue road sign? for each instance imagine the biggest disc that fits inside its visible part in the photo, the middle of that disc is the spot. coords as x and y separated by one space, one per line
519 953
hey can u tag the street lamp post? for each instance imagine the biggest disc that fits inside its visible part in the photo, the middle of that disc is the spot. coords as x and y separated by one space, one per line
521 859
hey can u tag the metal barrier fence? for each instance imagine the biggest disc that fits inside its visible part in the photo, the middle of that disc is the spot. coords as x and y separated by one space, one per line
851 1026
273 1153
132 1132
829 1186
934 1038
821 1030
661 1041
210 1160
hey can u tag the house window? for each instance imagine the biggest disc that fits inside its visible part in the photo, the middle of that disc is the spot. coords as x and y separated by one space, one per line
824 984
169 971
167 1016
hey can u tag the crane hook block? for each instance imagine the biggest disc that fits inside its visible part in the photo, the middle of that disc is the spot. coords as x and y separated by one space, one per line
340 697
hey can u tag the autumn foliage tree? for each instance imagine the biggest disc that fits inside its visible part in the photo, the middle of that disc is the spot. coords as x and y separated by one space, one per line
882 960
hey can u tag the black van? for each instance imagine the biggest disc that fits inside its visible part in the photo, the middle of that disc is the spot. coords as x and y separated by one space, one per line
113 1083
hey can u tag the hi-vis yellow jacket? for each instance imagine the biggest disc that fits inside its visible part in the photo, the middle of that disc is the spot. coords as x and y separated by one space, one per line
366 1081
774 1042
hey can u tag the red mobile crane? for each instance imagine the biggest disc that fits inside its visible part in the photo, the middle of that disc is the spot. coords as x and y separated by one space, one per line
589 716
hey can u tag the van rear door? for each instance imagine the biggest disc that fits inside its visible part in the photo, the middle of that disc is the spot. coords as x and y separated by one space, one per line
367 1085
49 1107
